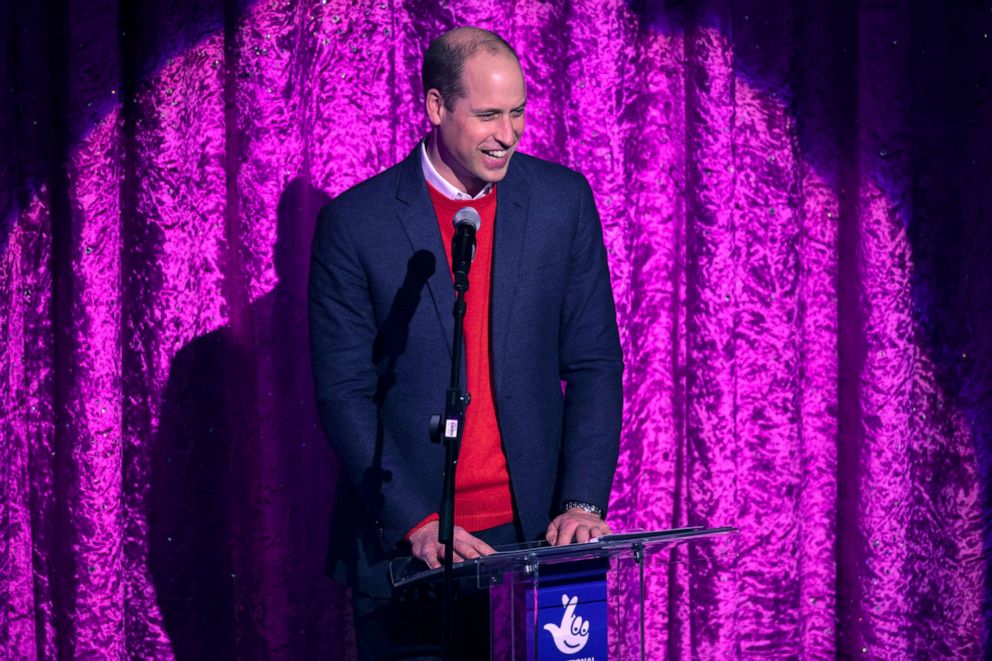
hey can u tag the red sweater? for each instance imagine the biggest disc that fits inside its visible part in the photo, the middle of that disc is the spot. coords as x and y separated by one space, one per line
482 483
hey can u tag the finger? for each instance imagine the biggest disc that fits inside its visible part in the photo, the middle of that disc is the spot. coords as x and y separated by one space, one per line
601 530
582 534
482 547
551 534
570 608
472 545
577 625
464 550
419 552
566 531
433 556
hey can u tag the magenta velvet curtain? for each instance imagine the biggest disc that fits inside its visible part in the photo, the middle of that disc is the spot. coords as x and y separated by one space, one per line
796 200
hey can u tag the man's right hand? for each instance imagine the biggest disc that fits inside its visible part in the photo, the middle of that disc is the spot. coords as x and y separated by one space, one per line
424 545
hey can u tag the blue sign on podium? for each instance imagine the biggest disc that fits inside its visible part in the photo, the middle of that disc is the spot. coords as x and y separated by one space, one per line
572 612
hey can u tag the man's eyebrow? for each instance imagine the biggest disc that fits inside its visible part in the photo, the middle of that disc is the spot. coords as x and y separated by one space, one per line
493 111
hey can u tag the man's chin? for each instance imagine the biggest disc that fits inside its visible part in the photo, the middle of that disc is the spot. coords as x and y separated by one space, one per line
494 175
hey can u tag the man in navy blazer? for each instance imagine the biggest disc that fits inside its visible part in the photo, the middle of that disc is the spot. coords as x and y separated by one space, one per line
381 300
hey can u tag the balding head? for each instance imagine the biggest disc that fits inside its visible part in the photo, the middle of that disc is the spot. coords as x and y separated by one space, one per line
444 61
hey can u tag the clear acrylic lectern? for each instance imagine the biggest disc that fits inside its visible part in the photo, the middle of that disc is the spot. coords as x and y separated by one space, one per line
554 602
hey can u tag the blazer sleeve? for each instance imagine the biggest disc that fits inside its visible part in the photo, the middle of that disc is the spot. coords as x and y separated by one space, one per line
342 333
591 365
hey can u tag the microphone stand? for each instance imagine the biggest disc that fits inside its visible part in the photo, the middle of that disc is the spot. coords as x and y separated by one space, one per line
455 404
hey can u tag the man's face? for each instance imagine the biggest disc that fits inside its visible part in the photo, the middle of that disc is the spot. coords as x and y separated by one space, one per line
476 139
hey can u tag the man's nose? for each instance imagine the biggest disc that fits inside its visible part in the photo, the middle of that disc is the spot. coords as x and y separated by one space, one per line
504 134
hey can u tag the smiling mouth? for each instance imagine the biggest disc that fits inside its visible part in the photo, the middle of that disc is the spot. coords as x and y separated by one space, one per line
496 153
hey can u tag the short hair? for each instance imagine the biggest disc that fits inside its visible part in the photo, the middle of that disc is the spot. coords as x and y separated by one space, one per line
444 60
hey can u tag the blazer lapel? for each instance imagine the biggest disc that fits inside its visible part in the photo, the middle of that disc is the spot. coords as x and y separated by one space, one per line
419 220
513 197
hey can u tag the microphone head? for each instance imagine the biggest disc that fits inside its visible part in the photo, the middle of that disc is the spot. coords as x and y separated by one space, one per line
467 216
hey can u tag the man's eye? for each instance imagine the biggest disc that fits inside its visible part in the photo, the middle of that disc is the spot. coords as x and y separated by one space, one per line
518 113
487 116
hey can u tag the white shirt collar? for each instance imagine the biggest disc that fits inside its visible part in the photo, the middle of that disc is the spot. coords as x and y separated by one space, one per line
440 183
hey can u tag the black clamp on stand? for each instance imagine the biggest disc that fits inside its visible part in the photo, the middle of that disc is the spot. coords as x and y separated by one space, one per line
450 428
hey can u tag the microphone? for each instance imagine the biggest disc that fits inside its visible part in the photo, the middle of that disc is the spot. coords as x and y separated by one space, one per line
466 222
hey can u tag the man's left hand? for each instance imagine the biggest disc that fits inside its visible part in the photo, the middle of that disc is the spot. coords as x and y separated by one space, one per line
576 524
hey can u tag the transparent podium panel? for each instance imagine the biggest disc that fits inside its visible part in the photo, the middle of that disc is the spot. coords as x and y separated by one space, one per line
624 596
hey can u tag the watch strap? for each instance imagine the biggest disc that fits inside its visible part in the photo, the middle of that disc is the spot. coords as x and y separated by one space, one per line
580 505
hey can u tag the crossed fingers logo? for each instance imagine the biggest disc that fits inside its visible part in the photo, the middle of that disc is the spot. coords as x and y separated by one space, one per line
573 633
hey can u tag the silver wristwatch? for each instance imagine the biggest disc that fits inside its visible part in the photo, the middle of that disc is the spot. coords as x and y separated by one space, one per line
579 505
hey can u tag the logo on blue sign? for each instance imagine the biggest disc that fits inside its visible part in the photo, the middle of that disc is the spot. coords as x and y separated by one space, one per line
573 633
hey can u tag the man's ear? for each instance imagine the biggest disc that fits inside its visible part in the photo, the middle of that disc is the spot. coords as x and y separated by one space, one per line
434 104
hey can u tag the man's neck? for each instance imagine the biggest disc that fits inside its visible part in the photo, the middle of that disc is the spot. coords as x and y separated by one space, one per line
434 154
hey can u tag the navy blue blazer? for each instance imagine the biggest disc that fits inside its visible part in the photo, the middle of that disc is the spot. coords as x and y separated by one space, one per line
381 300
